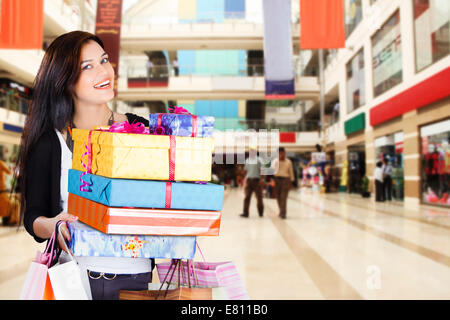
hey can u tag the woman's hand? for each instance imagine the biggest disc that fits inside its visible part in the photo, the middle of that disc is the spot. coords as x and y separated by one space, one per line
64 216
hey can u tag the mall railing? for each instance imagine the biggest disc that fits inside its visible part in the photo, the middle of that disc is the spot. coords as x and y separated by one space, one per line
233 124
212 18
134 70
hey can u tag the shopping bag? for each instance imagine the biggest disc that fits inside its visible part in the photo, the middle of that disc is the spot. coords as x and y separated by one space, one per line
69 279
37 284
205 275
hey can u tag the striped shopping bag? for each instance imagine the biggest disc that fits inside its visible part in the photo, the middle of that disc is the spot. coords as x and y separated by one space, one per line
205 275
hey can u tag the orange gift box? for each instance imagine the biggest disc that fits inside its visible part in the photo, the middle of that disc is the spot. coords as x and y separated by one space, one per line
125 220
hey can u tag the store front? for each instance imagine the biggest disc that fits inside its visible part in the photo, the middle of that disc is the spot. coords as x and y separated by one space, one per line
9 150
435 149
390 149
356 167
354 170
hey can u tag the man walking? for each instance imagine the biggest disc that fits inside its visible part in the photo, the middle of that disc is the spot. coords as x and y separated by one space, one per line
253 182
284 177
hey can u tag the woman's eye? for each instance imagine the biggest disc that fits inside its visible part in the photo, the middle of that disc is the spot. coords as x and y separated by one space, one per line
105 60
86 67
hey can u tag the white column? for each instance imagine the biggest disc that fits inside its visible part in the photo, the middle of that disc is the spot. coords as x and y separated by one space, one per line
407 34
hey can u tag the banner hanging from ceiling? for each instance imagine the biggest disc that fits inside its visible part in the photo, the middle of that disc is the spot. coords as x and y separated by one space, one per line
278 52
107 28
21 24
322 24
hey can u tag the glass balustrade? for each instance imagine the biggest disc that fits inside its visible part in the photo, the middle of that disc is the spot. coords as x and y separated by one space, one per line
205 17
222 124
135 70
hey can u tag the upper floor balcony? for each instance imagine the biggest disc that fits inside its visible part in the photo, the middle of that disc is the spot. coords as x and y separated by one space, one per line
136 82
168 33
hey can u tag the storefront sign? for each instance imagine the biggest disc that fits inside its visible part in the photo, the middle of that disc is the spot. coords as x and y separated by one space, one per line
398 140
287 137
399 147
355 124
422 94
10 127
107 28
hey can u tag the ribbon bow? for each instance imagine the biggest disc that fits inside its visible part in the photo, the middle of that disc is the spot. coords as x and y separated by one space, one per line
179 110
126 127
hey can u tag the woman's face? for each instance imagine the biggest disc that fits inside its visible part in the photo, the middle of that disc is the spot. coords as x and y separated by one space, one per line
95 84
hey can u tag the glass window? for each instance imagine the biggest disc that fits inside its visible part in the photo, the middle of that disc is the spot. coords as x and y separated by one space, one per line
387 56
436 163
390 150
353 15
431 31
356 82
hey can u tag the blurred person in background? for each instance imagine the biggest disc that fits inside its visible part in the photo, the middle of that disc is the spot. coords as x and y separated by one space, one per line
387 179
378 176
327 177
149 66
253 182
175 67
284 177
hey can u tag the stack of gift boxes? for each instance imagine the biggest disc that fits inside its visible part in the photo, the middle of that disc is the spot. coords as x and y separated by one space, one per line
144 193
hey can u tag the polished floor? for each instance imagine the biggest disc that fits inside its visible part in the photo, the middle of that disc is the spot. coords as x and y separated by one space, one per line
334 246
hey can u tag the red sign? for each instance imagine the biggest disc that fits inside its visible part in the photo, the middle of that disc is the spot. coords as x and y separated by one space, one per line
21 24
322 24
399 147
107 28
288 137
422 94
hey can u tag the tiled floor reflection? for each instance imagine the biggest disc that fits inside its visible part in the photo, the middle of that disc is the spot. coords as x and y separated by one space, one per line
334 246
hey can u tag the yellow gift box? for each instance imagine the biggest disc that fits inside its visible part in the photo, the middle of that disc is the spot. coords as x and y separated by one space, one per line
143 156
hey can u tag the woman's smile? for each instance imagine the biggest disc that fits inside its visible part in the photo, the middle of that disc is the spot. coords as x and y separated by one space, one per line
105 84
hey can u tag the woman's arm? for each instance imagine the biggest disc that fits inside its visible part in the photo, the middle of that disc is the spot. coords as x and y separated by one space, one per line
39 220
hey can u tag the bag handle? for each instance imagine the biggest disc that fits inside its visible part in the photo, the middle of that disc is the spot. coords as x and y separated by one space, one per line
192 263
203 257
64 243
50 249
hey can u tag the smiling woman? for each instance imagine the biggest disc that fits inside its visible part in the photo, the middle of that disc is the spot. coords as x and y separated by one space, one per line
72 88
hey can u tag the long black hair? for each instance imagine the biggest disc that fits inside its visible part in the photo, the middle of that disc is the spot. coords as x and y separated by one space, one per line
52 105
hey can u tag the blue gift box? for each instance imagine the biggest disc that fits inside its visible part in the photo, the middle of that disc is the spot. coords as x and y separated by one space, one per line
89 242
147 193
181 124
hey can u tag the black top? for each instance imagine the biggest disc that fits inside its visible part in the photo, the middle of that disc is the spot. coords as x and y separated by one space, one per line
42 191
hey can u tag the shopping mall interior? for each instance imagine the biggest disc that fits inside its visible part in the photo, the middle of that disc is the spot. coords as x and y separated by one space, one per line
382 97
